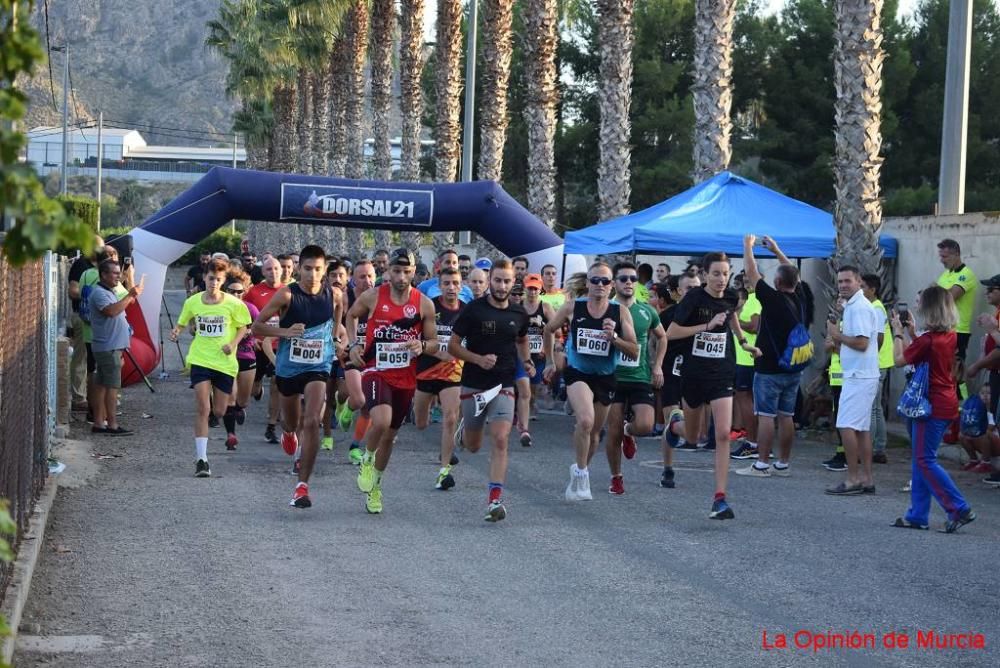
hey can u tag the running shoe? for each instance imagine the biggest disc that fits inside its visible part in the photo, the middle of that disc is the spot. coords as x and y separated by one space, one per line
366 475
355 453
373 503
326 443
459 430
269 434
525 439
951 526
454 459
993 479
436 415
583 487
753 471
241 415
201 469
445 481
744 451
289 442
628 446
617 487
836 463
495 511
984 467
213 420
879 458
707 445
673 440
684 444
667 479
783 471
721 511
573 488
345 416
296 466
300 497
970 465
232 442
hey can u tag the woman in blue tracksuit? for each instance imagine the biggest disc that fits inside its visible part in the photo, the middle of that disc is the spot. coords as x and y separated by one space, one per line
936 347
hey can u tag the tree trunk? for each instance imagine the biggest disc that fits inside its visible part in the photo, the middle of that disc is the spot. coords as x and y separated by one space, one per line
339 82
305 121
448 94
285 103
356 30
858 58
321 122
616 37
411 65
540 24
383 32
713 86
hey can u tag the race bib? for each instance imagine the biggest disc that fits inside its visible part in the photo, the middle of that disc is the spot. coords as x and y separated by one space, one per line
273 321
630 362
443 340
535 344
305 351
484 398
391 355
211 326
709 344
592 342
676 370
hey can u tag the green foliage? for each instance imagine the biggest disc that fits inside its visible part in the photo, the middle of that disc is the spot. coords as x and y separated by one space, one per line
81 208
223 240
7 528
40 223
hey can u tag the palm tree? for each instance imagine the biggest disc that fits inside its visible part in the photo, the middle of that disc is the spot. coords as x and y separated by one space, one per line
712 89
616 37
540 28
321 121
857 62
304 118
356 33
383 33
448 99
411 65
339 80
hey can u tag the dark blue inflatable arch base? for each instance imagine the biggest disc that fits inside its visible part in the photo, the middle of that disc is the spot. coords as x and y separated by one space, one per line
223 194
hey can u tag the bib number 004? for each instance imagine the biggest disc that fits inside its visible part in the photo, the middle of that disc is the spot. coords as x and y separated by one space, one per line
305 351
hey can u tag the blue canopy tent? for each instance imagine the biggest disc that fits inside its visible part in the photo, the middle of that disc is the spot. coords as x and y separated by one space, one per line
714 216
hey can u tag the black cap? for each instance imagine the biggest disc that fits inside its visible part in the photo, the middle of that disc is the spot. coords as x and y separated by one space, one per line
992 282
403 256
422 269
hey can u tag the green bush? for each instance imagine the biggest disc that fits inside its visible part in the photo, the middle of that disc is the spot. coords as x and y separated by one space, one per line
222 240
82 208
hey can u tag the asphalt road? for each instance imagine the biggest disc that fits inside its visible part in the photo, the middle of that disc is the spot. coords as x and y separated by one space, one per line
144 565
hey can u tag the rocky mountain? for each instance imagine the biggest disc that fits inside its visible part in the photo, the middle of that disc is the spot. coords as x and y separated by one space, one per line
142 62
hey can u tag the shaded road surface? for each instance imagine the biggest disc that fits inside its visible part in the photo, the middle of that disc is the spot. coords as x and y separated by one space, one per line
144 565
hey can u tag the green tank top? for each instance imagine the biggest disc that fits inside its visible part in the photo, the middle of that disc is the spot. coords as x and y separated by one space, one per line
638 369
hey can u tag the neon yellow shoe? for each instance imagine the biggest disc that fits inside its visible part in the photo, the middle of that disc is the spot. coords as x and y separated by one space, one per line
366 475
355 453
326 443
345 416
373 504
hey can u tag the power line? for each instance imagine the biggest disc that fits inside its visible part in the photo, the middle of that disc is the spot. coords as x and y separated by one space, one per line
223 135
48 49
159 132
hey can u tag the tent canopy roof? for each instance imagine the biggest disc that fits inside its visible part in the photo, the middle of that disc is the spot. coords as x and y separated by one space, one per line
715 215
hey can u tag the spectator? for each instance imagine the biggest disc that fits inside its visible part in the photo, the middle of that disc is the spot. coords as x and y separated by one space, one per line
484 263
645 273
287 269
464 266
194 280
991 362
859 360
784 354
421 274
431 286
78 362
749 316
380 260
871 285
520 267
935 347
958 279
662 272
111 334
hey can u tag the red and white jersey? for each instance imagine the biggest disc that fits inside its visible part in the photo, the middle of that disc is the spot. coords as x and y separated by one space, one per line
390 327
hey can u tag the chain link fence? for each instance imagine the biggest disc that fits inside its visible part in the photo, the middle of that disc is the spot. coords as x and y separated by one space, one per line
26 374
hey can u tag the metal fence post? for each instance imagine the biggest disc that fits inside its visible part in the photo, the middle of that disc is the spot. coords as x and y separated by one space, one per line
51 274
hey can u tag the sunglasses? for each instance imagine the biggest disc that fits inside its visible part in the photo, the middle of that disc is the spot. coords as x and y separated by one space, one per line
628 279
599 280
237 292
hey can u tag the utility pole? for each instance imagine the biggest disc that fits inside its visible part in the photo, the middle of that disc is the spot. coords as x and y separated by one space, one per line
470 104
65 115
100 161
954 128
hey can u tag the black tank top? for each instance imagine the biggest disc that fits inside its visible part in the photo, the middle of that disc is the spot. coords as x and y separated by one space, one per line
588 351
536 328
362 320
310 310
445 318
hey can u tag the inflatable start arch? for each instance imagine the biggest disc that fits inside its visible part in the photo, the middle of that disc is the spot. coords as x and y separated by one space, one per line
224 194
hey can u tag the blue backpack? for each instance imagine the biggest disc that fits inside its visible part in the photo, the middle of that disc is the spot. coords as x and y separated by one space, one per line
913 403
84 311
974 421
799 350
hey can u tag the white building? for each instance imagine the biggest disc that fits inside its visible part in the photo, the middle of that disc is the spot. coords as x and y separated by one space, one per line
126 155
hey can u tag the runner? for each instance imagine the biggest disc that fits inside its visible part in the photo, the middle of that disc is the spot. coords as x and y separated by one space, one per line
336 385
220 322
495 334
522 379
709 367
259 295
246 358
598 330
477 282
634 379
364 280
398 316
308 311
539 314
447 259
439 375
552 295
671 391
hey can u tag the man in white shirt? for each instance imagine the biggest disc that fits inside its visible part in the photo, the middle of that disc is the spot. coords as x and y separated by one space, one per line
858 342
